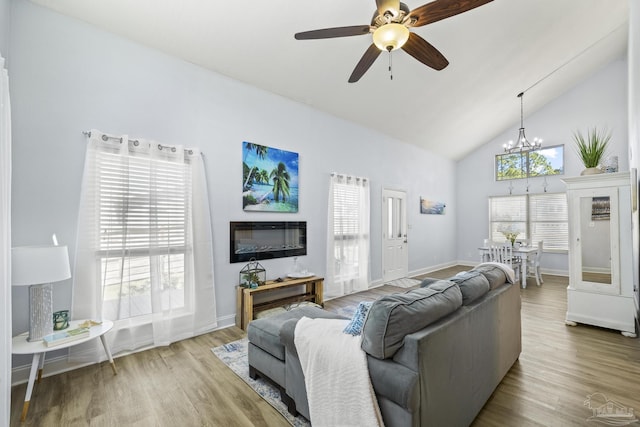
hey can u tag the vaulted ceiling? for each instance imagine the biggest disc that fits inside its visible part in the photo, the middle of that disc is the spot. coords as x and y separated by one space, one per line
495 52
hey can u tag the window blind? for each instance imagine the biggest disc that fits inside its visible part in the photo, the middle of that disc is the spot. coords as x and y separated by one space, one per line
348 235
143 204
508 213
549 220
346 202
534 216
143 214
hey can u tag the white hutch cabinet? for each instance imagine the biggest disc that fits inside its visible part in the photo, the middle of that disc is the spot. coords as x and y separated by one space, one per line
600 290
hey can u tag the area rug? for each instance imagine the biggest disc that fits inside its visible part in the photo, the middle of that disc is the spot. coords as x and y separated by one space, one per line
404 282
234 355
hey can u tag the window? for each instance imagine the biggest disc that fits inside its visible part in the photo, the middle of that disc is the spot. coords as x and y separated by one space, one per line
549 220
144 254
143 213
508 215
546 161
348 234
533 217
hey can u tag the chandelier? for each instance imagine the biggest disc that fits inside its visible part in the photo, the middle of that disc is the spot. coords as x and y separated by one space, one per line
522 145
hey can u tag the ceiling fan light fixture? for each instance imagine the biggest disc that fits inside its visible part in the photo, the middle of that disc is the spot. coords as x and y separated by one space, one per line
390 36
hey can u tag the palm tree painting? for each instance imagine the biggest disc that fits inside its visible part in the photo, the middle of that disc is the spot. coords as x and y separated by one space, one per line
269 179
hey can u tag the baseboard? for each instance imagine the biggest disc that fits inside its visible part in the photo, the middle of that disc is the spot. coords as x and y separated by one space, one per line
226 321
420 272
471 264
553 272
60 364
53 366
433 268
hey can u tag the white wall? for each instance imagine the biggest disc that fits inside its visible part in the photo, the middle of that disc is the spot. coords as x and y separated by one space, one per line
600 101
634 122
5 12
5 288
69 77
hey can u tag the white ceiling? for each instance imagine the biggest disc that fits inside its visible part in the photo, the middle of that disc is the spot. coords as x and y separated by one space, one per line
495 52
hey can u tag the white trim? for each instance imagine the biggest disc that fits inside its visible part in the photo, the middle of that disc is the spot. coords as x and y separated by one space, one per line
5 246
61 364
53 366
384 217
437 267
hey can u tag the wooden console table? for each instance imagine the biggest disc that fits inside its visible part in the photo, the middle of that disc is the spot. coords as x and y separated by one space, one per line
246 307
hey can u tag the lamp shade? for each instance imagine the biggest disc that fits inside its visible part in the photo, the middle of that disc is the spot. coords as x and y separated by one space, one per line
32 265
390 36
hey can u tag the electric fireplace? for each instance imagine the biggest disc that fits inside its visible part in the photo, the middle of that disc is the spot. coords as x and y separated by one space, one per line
267 239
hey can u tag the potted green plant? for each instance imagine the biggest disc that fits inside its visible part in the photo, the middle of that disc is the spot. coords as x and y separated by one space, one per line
592 148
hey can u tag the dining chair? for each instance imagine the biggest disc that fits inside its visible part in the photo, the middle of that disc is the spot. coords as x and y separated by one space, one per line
503 253
533 265
486 255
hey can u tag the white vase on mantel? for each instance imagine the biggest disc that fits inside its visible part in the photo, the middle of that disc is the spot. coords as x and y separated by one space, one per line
591 171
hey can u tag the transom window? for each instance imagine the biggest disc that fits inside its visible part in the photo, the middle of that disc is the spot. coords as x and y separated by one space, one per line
543 162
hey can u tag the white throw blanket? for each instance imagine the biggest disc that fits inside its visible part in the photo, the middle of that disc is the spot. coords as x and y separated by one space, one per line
508 271
336 374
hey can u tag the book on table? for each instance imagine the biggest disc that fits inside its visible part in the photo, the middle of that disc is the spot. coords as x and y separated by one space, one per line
62 337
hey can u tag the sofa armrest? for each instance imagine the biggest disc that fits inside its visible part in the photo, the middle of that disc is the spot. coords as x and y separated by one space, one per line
395 382
287 336
294 377
288 328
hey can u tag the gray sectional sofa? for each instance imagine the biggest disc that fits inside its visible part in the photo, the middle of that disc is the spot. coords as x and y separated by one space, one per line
435 354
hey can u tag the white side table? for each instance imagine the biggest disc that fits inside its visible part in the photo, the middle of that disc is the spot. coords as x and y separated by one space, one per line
20 345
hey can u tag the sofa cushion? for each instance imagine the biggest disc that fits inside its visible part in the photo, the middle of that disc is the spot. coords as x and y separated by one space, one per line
391 317
427 281
473 284
494 274
265 332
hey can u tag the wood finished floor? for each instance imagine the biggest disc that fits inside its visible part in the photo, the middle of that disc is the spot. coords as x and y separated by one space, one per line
186 385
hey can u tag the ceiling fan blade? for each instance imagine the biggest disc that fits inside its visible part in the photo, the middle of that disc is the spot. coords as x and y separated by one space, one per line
365 62
384 5
328 33
424 52
441 9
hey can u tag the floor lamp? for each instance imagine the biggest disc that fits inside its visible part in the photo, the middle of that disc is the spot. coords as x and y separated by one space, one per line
38 267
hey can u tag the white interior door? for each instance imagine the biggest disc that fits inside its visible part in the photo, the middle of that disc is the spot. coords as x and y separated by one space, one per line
395 256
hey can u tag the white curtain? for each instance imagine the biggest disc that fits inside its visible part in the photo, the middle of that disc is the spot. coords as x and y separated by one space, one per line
144 256
5 245
347 236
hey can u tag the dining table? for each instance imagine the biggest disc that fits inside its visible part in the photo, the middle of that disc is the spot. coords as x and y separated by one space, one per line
521 254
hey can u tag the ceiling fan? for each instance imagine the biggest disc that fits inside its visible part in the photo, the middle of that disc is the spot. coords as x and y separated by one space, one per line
390 29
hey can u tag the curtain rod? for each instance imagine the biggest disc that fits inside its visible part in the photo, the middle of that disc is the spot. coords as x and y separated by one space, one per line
105 138
341 175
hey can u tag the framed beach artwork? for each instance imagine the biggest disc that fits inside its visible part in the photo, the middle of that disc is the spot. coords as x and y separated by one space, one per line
269 179
431 207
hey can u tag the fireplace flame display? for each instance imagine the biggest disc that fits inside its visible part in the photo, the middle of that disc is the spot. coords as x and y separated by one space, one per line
267 239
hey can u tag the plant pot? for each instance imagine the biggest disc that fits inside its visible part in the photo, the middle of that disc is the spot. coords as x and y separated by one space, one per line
591 171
